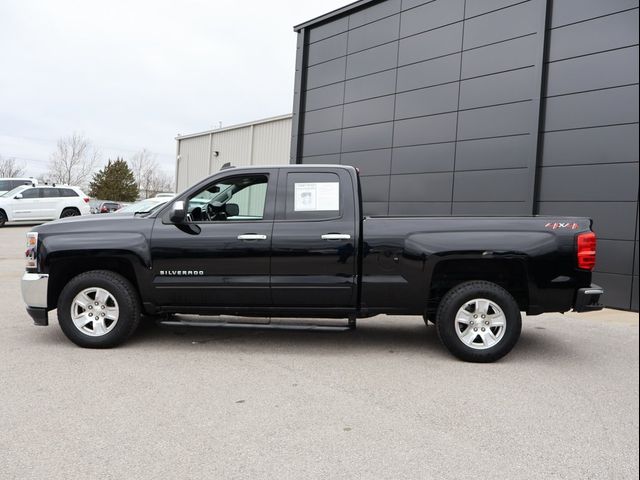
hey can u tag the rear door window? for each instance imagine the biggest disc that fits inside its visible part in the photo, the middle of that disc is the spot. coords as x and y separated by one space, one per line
49 192
67 192
313 196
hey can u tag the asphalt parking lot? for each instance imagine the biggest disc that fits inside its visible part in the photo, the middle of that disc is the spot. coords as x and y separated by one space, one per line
386 401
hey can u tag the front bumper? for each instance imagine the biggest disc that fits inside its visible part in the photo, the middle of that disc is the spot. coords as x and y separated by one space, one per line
34 293
588 299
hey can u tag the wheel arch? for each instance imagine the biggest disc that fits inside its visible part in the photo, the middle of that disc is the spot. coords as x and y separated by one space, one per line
509 273
63 268
64 209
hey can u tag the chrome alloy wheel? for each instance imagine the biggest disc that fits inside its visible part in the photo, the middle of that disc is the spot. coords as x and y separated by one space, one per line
94 311
480 323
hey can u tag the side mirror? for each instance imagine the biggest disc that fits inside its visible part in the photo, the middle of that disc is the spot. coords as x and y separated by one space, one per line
178 212
18 196
232 209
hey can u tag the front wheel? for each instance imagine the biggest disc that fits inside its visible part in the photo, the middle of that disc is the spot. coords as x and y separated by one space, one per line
98 309
479 321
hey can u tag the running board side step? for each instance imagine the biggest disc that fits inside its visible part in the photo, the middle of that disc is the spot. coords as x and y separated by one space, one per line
256 326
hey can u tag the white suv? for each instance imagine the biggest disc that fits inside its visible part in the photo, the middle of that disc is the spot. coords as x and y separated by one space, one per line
35 204
7 184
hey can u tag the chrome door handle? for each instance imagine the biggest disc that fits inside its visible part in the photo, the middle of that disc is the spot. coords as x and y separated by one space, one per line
336 236
252 236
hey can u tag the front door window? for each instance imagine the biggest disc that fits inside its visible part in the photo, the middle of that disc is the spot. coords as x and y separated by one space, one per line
232 199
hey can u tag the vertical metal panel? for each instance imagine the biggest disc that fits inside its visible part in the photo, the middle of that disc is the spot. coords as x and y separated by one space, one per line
177 169
182 170
271 143
234 147
298 98
194 160
262 143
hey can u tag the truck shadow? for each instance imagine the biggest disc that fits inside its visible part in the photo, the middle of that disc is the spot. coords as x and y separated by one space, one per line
408 336
405 336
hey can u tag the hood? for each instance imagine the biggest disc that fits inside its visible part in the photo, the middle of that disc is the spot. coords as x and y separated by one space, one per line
106 222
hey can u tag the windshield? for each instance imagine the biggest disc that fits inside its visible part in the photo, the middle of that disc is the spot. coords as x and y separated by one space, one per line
143 206
15 191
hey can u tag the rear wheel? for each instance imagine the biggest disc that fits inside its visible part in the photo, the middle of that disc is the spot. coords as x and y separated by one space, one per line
98 309
69 212
3 218
479 321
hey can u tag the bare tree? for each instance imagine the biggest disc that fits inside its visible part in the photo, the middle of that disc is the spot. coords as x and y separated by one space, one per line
143 164
74 160
150 179
9 168
159 182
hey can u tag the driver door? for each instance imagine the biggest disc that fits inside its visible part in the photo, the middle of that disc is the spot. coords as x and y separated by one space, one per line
220 257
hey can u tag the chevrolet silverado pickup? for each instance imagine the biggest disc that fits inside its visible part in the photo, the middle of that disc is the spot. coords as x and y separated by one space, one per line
291 241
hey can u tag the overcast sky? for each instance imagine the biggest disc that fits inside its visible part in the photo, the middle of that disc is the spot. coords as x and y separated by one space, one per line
132 74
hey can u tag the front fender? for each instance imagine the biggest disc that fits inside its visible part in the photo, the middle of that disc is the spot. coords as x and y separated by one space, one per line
95 244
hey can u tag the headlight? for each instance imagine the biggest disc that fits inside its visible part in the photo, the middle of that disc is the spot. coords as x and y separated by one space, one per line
32 250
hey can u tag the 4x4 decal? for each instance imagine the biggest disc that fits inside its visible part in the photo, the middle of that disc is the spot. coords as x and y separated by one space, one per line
556 225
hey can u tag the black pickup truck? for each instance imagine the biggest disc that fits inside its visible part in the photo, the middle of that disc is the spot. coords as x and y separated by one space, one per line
291 241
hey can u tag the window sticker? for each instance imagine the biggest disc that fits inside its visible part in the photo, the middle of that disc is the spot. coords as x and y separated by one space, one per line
321 196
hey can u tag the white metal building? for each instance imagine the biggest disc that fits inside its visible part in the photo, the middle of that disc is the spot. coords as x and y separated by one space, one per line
263 142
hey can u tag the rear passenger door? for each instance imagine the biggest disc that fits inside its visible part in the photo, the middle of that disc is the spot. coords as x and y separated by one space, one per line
313 263
48 204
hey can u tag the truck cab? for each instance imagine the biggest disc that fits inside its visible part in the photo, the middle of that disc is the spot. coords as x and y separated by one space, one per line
273 238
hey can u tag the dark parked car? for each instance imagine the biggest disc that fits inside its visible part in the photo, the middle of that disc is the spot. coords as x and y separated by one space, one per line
99 206
291 241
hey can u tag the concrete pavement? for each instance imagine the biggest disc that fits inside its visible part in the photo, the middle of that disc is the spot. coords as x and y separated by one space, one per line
386 401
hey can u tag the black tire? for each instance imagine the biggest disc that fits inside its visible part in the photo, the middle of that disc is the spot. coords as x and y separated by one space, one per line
479 352
3 218
120 289
69 212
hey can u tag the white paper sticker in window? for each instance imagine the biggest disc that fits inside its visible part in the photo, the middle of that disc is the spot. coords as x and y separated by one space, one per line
321 196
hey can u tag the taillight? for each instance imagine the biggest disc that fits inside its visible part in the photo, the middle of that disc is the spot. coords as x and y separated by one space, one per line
586 251
86 199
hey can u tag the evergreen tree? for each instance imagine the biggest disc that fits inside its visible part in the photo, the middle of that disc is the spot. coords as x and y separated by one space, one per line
114 182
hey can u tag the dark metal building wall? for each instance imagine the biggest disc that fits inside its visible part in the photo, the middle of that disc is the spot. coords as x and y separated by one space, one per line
438 104
589 150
